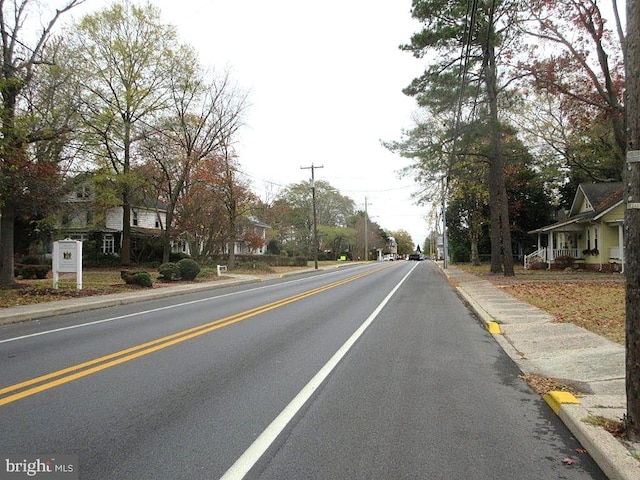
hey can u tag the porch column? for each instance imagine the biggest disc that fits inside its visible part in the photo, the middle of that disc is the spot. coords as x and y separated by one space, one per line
551 247
621 244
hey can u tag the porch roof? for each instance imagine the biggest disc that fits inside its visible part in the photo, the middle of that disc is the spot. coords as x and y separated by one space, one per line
568 225
145 232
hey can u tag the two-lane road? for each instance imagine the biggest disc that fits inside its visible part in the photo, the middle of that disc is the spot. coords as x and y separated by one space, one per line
372 372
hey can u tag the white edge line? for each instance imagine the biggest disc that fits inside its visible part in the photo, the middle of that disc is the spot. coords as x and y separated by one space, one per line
252 454
145 312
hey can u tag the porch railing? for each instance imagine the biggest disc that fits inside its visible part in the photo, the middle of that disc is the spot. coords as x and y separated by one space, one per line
542 255
539 255
567 252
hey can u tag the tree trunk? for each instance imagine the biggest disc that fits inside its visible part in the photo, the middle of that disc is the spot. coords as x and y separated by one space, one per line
475 256
13 151
632 221
166 235
7 228
232 242
505 230
496 170
501 249
125 252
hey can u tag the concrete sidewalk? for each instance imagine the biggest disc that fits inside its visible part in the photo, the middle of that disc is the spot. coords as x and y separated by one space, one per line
584 360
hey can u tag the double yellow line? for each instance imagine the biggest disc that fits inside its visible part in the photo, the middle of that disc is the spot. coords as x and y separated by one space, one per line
35 385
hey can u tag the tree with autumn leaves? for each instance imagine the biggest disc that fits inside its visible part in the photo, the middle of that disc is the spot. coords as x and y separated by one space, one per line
27 61
213 204
572 58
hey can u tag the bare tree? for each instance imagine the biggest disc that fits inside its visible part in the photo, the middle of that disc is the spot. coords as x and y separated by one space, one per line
204 115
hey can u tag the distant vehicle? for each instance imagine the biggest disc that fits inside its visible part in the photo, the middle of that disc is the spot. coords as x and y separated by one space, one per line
416 256
388 258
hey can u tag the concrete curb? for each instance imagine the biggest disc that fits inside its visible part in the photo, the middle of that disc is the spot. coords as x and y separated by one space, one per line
610 455
485 316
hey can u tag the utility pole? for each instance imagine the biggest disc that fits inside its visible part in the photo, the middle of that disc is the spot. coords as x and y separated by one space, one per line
445 239
316 246
366 235
632 220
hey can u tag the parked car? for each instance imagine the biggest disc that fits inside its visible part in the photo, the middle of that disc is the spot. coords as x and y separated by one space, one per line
388 258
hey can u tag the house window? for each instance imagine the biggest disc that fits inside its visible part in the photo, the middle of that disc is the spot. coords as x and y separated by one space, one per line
134 218
108 244
588 239
82 191
587 204
157 222
595 238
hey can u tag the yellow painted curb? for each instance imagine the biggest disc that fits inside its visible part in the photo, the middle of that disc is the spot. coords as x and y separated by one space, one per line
494 327
556 399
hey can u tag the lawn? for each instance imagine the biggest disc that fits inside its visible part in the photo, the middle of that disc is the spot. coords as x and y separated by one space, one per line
107 280
592 300
94 282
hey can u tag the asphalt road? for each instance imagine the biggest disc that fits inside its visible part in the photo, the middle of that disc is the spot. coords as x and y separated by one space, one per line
376 372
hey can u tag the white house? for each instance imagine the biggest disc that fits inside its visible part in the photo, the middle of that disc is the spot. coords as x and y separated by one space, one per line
81 219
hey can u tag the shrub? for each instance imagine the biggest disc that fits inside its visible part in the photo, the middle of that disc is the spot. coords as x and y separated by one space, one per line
189 269
175 257
170 271
142 278
253 265
538 266
30 260
139 277
29 271
273 247
565 261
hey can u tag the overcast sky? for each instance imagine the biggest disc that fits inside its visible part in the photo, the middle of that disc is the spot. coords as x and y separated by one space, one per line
325 84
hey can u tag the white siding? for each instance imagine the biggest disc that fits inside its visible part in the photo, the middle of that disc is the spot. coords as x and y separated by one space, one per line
114 218
146 218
